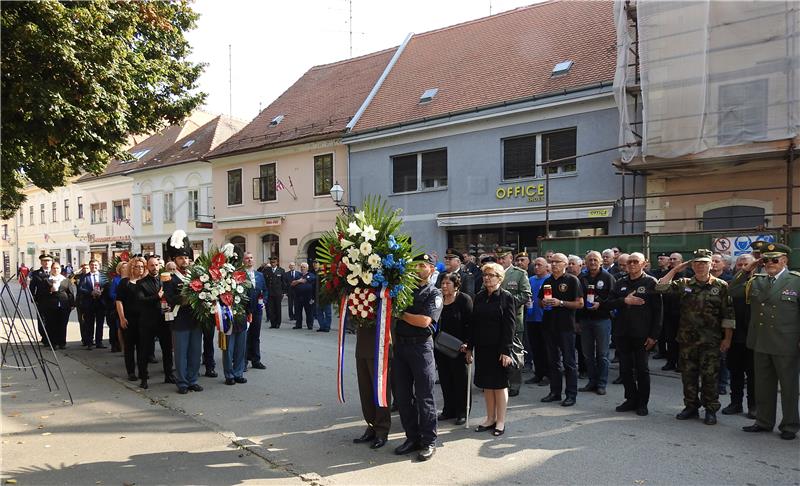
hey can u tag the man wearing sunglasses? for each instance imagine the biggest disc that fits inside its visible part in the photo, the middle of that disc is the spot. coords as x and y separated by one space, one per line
774 336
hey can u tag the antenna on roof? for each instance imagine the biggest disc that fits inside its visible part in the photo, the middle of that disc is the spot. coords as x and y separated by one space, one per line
350 24
490 7
230 84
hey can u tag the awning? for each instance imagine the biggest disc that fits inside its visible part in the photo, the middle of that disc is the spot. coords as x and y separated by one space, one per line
560 212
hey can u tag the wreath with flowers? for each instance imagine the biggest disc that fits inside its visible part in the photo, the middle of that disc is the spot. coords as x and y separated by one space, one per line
216 289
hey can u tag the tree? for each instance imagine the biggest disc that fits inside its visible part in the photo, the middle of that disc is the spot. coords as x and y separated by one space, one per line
79 77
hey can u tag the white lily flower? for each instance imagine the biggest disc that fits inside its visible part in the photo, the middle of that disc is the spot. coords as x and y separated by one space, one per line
239 289
353 229
369 233
345 243
360 216
366 248
354 254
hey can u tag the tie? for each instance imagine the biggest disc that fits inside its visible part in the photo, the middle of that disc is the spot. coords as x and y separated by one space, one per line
771 280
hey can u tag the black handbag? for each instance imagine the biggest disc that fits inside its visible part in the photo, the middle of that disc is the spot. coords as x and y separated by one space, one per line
447 344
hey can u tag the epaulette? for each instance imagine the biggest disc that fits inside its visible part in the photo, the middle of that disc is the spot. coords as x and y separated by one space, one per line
795 273
759 275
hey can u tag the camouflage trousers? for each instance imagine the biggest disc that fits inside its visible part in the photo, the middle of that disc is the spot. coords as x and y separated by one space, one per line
699 364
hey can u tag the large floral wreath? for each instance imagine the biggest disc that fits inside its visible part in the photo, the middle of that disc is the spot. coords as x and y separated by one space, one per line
109 271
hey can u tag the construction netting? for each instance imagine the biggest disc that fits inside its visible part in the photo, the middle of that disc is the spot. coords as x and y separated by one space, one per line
711 74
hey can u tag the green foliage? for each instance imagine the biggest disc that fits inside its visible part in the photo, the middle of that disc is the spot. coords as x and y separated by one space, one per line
79 77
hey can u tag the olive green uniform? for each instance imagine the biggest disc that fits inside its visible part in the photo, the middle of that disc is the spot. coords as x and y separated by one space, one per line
517 284
705 311
774 337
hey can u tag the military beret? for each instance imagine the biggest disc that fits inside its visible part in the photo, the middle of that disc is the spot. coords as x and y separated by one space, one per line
775 250
702 255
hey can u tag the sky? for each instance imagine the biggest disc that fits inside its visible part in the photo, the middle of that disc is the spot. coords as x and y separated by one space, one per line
272 43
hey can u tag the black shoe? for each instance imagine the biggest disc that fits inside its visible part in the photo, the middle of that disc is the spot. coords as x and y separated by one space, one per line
545 381
143 384
551 397
688 413
461 420
484 428
64 346
100 346
211 374
627 406
600 390
89 347
513 393
367 436
183 391
755 428
786 435
532 381
378 443
151 359
196 387
297 327
132 377
259 365
642 411
230 381
568 402
444 416
710 418
241 379
618 381
169 379
498 432
406 447
588 388
732 409
427 452
668 367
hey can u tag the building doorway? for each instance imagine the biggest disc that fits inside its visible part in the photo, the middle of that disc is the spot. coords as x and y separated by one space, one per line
312 251
270 247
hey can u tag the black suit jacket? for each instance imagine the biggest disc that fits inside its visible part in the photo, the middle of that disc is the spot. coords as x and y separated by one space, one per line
274 278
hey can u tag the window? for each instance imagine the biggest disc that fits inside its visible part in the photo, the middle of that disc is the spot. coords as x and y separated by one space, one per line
323 174
743 112
194 204
80 208
522 156
239 242
234 187
54 212
730 217
122 210
66 209
31 216
5 232
418 172
98 212
147 210
41 214
21 217
169 207
265 186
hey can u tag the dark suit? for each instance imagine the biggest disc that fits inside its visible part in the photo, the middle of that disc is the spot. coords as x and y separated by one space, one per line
257 296
39 292
289 277
274 280
93 310
55 308
151 324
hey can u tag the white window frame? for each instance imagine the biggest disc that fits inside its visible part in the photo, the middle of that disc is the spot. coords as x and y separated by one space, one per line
147 209
169 216
193 204
419 171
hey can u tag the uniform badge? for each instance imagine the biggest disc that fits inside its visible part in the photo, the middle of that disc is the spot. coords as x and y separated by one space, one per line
562 287
641 290
714 290
438 301
687 290
623 289
512 285
600 284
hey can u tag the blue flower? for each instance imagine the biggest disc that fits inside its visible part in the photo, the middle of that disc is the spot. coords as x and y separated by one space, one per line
396 290
377 280
393 245
388 261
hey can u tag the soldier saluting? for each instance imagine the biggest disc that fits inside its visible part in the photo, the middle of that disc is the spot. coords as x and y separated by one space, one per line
774 336
704 331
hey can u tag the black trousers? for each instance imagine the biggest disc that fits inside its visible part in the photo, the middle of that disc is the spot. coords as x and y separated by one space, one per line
292 309
132 349
55 320
164 334
414 372
633 369
379 419
274 309
144 348
92 326
453 379
740 364
208 349
538 344
670 331
302 303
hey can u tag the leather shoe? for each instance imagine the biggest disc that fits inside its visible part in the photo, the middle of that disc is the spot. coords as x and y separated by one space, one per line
259 365
755 428
642 411
668 367
461 420
513 393
406 447
711 418
100 346
196 387
587 388
484 428
367 436
786 435
618 381
378 443
211 374
240 379
688 413
600 391
545 381
169 379
551 397
230 381
568 402
426 452
627 406
732 409
132 377
144 385
183 391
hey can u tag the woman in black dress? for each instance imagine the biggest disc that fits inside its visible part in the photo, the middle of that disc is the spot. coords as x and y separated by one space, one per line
453 371
57 306
128 312
491 331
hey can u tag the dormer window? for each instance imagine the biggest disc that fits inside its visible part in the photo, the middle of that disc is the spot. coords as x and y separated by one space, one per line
428 95
561 68
188 144
275 121
138 154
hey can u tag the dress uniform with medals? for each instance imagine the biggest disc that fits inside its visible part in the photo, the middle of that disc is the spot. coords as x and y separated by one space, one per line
414 370
774 337
517 284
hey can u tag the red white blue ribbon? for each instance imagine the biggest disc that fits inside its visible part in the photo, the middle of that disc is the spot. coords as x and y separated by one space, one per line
223 317
383 325
340 358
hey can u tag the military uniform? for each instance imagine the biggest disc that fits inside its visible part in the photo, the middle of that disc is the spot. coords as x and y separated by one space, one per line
774 337
705 311
517 284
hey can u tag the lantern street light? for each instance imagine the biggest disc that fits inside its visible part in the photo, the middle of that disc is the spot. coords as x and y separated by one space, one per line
337 194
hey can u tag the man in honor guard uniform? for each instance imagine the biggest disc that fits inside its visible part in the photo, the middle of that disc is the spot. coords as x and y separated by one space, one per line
452 264
257 295
705 330
273 274
40 289
185 328
413 365
517 284
774 337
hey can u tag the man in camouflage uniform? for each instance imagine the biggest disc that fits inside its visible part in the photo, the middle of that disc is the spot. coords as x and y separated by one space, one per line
705 316
774 336
517 284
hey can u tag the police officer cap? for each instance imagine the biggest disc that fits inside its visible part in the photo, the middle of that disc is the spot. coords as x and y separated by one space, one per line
758 245
702 255
273 259
451 253
427 259
664 254
45 256
775 250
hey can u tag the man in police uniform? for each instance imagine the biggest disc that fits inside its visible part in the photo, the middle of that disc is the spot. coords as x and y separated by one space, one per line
40 290
774 337
517 284
414 368
706 315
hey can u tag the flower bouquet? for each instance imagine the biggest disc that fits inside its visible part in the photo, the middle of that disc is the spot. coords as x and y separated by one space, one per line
109 271
216 290
367 268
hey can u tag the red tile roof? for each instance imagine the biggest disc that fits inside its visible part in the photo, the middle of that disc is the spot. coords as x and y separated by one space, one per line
318 105
501 58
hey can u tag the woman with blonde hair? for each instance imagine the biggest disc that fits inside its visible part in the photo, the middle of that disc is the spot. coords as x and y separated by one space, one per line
128 312
491 332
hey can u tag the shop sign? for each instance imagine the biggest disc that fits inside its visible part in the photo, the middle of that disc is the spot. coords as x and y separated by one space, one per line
273 221
108 239
599 213
531 192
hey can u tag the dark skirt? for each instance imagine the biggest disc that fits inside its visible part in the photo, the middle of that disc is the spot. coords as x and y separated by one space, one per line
489 373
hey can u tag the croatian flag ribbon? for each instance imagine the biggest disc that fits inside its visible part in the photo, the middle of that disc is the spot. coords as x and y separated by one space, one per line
223 317
340 349
383 325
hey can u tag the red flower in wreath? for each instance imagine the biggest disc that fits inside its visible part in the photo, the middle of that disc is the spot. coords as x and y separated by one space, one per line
342 270
218 260
239 276
196 285
124 256
227 299
216 275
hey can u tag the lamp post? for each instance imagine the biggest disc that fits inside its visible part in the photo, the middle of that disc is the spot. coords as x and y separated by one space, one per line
337 194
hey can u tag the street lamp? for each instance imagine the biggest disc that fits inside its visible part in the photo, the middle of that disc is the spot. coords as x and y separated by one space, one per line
75 231
337 194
